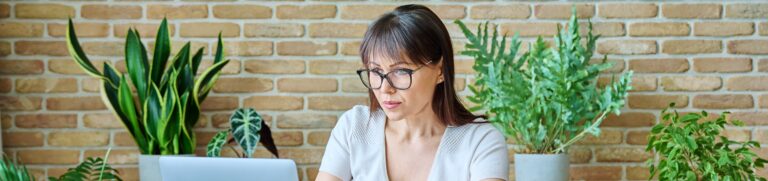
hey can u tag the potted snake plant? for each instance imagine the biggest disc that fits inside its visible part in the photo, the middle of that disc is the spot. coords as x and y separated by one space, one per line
546 99
166 104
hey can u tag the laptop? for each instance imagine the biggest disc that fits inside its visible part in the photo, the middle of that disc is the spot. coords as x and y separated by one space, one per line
227 169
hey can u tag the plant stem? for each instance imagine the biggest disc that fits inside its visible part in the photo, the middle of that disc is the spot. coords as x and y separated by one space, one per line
582 134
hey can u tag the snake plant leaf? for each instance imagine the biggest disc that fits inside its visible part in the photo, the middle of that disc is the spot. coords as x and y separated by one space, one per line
182 58
127 106
219 56
73 46
191 115
161 53
246 124
153 110
136 62
196 59
186 79
187 140
205 82
110 94
217 142
168 125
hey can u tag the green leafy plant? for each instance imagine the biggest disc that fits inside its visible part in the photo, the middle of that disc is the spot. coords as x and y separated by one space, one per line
93 168
248 129
691 148
13 171
546 99
167 106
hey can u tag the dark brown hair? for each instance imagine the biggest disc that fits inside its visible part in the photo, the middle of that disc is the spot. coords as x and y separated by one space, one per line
415 32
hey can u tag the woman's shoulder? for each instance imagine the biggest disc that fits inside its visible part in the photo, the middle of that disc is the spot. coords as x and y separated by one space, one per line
480 130
357 117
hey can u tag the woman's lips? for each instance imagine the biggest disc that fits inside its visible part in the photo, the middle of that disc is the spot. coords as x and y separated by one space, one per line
390 104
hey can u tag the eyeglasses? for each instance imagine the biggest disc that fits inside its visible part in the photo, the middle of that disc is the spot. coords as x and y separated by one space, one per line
399 78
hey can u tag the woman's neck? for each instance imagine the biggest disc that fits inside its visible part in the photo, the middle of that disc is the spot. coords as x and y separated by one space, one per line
424 124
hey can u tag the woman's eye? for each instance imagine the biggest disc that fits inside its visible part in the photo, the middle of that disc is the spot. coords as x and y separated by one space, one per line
402 72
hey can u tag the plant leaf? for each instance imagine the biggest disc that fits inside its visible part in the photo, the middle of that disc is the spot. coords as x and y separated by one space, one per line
246 124
216 143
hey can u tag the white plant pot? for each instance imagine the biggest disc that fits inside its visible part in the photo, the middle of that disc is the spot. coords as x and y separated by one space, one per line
542 167
149 166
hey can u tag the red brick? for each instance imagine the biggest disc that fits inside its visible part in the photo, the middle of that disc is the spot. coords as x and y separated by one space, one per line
666 65
75 103
596 173
622 155
306 11
630 119
46 121
177 11
691 11
746 10
20 103
656 101
52 157
723 101
43 11
628 10
307 85
78 138
243 85
692 46
723 28
21 67
281 103
749 47
747 83
22 139
274 66
219 103
659 29
242 11
722 64
512 11
563 11
20 30
691 83
627 47
100 11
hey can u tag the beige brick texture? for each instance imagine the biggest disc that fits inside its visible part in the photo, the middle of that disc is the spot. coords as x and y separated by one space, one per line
295 63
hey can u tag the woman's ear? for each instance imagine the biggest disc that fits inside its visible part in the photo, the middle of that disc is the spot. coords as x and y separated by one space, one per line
440 75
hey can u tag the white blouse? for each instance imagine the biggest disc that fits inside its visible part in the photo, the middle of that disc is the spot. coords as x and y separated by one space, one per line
470 152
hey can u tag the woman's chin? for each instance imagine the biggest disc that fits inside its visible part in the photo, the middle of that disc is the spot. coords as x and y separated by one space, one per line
393 114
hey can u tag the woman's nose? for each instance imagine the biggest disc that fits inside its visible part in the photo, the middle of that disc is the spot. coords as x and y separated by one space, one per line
386 87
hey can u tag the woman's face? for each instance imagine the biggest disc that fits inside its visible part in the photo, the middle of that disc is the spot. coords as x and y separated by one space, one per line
401 104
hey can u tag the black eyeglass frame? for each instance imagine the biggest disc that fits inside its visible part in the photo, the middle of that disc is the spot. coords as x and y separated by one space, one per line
386 76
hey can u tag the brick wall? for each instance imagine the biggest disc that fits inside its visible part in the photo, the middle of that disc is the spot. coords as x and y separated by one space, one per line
294 63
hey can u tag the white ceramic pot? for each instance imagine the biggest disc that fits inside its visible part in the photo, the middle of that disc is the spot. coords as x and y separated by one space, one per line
149 166
542 167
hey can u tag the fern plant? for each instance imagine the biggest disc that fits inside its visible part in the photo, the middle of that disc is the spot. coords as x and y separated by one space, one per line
248 129
92 169
168 94
546 99
688 149
13 171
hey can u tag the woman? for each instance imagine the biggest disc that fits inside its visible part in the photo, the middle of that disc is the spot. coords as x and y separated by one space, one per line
415 127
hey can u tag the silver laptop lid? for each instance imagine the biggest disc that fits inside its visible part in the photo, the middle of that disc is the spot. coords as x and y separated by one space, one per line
227 169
